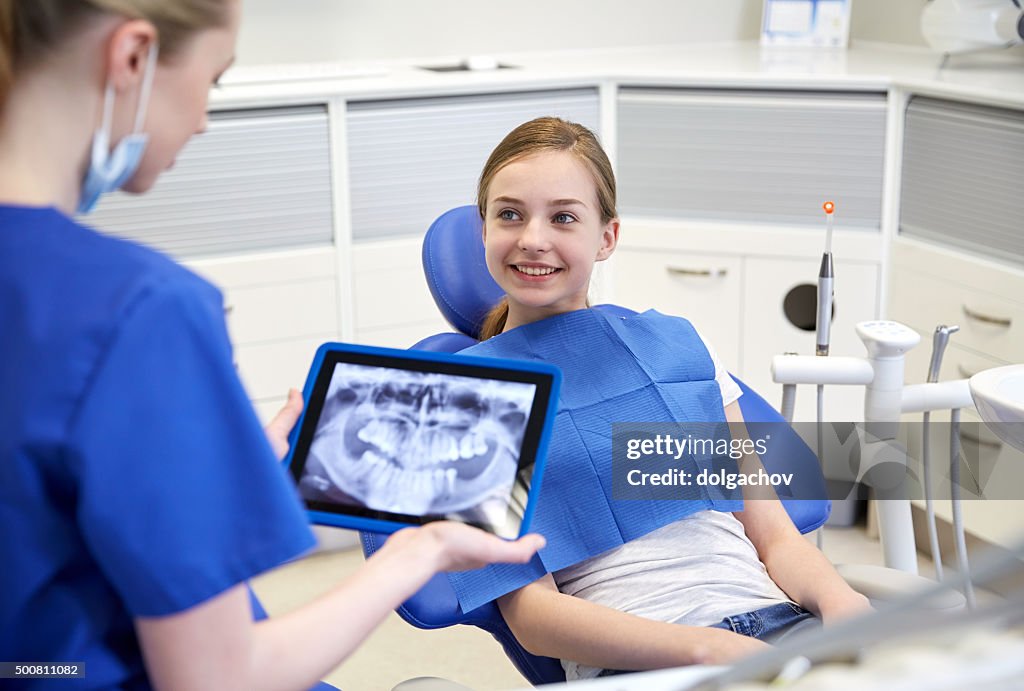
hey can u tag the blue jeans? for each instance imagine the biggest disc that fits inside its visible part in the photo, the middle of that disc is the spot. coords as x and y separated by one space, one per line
769 624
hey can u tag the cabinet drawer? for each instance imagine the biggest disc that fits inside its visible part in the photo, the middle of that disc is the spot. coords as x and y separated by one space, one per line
989 323
268 370
780 311
282 311
989 469
267 408
990 466
277 296
390 289
404 336
957 363
704 288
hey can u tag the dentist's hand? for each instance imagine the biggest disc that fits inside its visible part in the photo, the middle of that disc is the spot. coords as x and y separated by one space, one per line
450 546
281 426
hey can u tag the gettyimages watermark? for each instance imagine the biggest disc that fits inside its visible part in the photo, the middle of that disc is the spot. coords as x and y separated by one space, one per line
685 461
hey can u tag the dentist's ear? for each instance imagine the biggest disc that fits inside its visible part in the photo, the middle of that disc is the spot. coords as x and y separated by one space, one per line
609 239
127 53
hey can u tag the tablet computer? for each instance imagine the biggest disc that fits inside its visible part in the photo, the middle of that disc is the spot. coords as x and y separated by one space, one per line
393 438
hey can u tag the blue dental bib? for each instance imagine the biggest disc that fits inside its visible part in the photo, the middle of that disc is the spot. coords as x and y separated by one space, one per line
638 369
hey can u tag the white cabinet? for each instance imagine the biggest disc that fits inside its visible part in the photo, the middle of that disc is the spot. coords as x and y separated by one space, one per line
393 306
280 306
959 260
705 288
962 167
410 160
932 285
758 157
255 180
779 310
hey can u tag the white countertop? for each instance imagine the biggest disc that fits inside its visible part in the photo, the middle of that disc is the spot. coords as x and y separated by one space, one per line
996 78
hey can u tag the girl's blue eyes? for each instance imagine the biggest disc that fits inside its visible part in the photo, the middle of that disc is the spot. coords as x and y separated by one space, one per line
558 219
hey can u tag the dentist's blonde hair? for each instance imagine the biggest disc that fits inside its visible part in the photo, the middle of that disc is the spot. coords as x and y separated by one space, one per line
30 29
539 136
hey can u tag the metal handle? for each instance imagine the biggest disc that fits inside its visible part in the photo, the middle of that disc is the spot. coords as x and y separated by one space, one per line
683 271
228 309
996 321
976 438
964 372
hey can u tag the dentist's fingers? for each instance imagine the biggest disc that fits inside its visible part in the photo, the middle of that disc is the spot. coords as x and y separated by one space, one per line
281 426
452 546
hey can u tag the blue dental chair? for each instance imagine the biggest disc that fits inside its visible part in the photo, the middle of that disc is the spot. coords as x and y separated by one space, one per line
453 259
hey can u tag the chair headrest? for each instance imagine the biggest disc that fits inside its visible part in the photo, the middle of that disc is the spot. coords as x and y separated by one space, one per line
453 261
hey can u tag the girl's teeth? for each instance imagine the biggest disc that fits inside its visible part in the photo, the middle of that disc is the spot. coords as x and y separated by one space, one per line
535 271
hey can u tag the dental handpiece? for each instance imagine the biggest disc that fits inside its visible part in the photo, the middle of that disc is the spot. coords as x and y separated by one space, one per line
940 339
825 292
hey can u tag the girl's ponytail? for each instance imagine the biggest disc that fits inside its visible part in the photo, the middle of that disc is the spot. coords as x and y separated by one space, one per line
7 20
494 322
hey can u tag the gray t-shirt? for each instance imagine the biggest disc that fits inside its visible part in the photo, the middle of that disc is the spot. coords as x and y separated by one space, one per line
695 571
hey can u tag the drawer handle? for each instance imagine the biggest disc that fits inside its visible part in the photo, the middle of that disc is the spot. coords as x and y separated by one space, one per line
228 309
683 271
996 321
976 438
966 373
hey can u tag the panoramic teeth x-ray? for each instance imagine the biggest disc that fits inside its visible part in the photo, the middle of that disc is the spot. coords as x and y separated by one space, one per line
418 443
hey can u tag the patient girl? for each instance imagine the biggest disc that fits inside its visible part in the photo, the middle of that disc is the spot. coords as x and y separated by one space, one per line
710 587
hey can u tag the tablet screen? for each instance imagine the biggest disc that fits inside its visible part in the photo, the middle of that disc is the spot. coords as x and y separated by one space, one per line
394 437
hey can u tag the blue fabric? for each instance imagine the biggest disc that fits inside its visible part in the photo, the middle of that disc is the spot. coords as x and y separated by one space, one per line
135 479
642 368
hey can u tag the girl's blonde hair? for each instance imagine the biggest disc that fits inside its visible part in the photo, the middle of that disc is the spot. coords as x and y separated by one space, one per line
29 29
539 136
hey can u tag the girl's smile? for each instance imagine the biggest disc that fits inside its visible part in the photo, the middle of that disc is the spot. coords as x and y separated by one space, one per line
535 272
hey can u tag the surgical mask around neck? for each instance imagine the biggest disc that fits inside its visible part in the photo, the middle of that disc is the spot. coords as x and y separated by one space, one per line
109 169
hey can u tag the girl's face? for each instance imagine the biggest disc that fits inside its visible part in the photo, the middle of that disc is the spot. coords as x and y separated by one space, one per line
177 109
543 233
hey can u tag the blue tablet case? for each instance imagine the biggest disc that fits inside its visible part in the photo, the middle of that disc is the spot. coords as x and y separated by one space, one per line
490 373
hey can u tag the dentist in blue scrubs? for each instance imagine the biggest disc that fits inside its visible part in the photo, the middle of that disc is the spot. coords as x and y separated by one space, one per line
138 491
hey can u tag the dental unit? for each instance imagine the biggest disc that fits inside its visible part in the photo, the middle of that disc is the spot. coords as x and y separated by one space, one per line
886 399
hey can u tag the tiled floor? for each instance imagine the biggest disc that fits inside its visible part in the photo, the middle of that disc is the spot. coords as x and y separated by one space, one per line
397 651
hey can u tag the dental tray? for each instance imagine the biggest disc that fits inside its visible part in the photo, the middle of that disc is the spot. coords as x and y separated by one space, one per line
391 438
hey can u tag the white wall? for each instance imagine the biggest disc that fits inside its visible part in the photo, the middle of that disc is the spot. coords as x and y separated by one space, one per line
312 30
887 21
315 30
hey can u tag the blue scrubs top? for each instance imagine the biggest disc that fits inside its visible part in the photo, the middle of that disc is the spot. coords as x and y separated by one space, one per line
135 479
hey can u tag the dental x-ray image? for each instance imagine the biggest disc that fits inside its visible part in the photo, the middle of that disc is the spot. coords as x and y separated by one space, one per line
418 443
